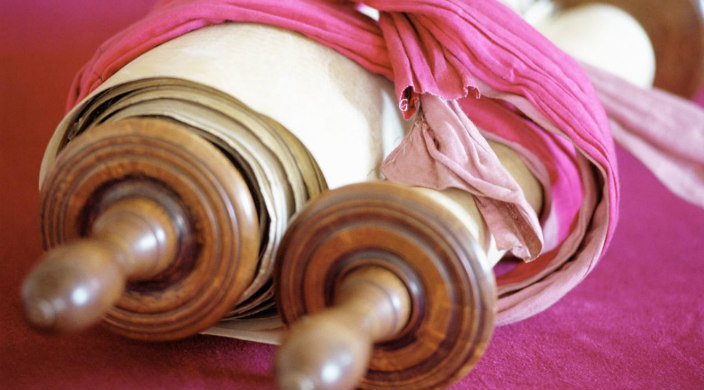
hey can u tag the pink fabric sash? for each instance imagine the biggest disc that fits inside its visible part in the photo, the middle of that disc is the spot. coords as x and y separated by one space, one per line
665 132
458 61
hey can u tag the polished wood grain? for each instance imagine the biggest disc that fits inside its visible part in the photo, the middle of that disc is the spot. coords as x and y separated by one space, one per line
149 227
676 31
396 230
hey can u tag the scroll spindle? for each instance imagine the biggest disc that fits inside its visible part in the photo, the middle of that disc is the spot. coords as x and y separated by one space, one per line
149 228
383 286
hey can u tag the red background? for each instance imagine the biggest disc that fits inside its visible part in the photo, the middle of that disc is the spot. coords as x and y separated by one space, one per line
636 322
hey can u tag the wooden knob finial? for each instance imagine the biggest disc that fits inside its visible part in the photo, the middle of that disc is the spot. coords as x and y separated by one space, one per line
395 230
331 349
77 283
155 231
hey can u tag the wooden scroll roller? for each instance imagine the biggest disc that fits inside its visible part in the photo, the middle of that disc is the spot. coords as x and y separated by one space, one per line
675 29
388 286
164 196
149 225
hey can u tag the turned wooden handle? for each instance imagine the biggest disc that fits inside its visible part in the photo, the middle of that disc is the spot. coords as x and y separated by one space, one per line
149 226
77 283
331 349
344 261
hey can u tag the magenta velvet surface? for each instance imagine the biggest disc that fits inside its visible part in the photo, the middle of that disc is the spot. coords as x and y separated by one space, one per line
636 322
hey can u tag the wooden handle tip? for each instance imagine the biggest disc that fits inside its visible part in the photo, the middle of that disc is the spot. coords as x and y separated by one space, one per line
322 352
72 287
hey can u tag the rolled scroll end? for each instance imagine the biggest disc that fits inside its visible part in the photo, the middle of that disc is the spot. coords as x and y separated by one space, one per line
346 249
176 215
72 287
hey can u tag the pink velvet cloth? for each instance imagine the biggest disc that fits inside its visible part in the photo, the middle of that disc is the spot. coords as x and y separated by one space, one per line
437 52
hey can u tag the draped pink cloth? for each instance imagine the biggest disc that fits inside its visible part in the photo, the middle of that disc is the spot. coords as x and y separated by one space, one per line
665 132
474 69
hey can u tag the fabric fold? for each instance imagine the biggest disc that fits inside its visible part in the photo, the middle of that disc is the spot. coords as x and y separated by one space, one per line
444 149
